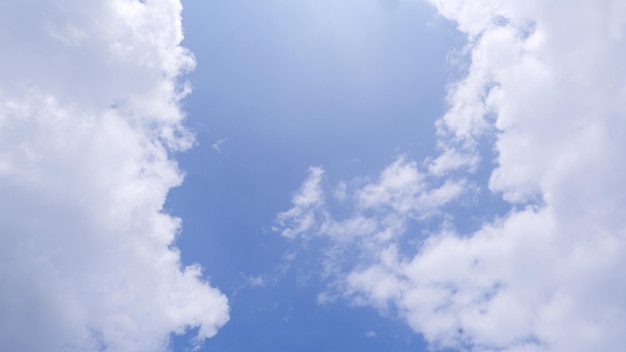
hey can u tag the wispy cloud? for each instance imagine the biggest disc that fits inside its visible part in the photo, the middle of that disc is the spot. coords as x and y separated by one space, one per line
382 209
89 113
217 146
307 204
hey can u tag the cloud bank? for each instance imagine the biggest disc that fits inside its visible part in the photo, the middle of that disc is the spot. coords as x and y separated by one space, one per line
89 115
546 87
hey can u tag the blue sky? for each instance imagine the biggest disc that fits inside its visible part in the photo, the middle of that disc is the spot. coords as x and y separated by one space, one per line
283 91
368 175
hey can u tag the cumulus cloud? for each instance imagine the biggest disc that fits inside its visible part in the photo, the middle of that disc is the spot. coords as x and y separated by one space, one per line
89 117
546 83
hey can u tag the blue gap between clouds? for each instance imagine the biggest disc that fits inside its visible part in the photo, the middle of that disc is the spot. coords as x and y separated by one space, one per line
283 107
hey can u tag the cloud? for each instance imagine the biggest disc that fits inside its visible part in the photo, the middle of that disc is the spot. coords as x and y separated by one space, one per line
546 88
217 146
89 117
306 203
381 211
257 281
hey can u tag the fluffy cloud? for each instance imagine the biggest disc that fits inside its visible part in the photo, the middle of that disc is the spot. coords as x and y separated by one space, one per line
546 82
381 211
89 114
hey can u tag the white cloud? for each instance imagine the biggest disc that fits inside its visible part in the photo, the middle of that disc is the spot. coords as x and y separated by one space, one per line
546 82
89 113
306 205
382 210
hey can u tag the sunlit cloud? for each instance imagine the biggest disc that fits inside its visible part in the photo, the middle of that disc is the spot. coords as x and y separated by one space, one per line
545 90
89 119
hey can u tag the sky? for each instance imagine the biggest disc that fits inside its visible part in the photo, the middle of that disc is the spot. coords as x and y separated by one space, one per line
336 175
